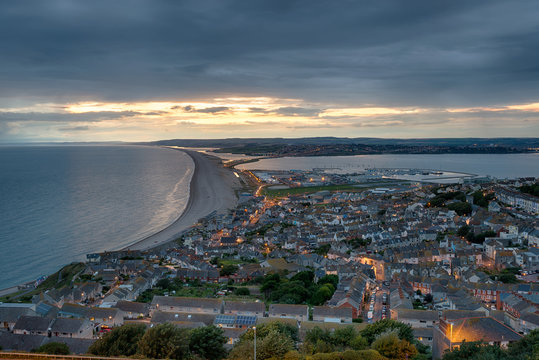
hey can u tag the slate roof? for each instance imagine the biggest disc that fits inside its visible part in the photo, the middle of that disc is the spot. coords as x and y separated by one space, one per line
530 318
64 325
482 329
327 311
187 302
32 323
460 314
133 307
245 306
160 317
18 342
12 314
288 309
423 332
10 341
425 315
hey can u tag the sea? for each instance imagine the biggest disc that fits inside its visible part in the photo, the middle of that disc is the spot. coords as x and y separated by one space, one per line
59 203
501 166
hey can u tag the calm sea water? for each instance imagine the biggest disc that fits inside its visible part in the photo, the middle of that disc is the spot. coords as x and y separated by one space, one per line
496 165
59 203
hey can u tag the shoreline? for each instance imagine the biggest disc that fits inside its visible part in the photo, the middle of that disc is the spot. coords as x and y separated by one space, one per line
192 184
211 189
208 173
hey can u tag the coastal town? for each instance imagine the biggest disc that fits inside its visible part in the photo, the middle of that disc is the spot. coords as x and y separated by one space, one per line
314 250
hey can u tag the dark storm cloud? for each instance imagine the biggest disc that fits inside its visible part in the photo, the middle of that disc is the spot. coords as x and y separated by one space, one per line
64 117
74 128
297 111
258 110
212 110
429 53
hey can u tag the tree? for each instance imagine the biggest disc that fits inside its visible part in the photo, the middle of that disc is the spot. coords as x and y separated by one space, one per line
290 292
530 189
477 351
243 350
54 348
461 208
165 341
428 298
463 230
121 341
362 355
208 342
306 277
359 343
263 330
293 355
417 304
389 345
343 336
270 283
323 250
163 283
480 238
526 348
316 333
508 278
321 346
242 291
228 270
348 355
374 330
323 294
272 346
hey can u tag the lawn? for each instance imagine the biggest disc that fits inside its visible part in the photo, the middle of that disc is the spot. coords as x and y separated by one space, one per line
310 189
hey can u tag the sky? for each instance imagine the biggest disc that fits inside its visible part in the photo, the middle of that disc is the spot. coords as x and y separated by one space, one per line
143 70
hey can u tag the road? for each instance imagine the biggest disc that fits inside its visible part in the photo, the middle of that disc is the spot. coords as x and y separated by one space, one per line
378 303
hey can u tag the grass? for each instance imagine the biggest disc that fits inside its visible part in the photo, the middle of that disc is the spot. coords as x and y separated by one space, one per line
59 279
63 277
231 262
206 291
309 189
346 187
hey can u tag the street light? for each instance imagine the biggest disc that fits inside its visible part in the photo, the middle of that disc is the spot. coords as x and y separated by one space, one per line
254 328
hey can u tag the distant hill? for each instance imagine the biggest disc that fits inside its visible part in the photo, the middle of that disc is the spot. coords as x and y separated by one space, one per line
517 142
316 146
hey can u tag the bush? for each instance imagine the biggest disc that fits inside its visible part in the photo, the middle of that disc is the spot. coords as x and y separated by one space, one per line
242 291
273 345
372 331
348 355
461 208
165 341
121 341
208 342
390 346
54 348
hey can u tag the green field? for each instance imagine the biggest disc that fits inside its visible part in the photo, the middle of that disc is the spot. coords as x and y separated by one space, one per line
312 189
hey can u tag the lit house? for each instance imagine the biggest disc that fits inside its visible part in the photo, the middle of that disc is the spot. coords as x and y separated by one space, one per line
289 311
187 305
331 314
244 308
450 335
